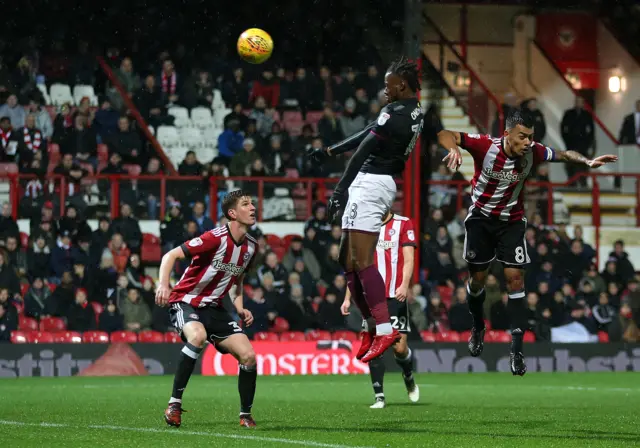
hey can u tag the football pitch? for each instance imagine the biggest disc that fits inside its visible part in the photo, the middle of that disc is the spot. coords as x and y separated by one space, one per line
457 410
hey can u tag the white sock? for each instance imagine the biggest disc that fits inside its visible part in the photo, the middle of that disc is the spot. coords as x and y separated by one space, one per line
175 400
382 329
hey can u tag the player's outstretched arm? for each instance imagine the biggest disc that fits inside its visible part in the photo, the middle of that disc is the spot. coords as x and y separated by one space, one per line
450 140
348 144
166 267
576 157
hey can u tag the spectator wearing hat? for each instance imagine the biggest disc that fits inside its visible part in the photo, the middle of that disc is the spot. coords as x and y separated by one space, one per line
237 115
298 251
81 316
230 142
244 159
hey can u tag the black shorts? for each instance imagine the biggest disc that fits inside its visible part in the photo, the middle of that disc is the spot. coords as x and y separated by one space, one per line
399 313
217 322
487 239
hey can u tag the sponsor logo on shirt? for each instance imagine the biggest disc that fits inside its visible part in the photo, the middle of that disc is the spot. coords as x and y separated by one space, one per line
504 175
228 267
385 245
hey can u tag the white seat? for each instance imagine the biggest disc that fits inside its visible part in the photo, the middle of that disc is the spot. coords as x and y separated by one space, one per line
210 137
218 117
152 130
191 137
177 154
218 102
206 154
81 91
60 94
168 136
181 115
45 94
201 117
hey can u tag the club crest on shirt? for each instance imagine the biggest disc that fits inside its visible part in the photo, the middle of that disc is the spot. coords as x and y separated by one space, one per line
410 235
392 232
194 316
195 242
246 256
383 118
473 136
471 255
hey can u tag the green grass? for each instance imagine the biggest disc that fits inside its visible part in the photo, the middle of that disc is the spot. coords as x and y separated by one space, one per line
459 410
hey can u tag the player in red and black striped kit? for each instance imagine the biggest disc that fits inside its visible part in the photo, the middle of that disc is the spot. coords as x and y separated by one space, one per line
394 260
495 226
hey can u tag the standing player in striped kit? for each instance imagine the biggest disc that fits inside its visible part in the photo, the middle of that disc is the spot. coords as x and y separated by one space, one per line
394 261
496 225
219 259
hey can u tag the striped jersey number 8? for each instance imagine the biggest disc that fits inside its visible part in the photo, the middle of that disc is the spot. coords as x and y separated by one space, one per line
520 257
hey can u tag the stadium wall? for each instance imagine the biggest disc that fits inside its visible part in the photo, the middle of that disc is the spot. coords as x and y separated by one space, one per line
314 358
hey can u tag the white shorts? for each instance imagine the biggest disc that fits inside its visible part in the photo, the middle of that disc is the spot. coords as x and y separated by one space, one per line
370 197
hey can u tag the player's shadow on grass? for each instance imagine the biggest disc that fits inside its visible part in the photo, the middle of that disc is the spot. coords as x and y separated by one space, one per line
411 405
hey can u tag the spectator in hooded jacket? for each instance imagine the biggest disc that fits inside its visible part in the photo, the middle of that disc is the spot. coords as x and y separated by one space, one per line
36 300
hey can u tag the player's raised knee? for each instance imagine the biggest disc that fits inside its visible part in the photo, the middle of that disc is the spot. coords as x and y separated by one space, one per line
197 336
247 358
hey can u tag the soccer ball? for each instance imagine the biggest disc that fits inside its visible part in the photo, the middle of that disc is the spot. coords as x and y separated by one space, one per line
255 46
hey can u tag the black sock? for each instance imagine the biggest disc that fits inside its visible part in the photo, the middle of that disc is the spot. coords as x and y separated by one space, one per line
406 364
188 358
376 369
517 319
476 307
247 387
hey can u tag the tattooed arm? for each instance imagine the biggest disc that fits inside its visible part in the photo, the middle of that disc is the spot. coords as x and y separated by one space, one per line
576 157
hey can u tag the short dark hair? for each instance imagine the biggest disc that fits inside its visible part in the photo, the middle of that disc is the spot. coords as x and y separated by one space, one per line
516 118
407 70
230 201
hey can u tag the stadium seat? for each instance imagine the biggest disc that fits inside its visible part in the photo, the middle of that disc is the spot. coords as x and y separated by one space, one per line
202 117
447 336
60 94
191 137
24 287
40 337
345 335
427 336
497 336
168 136
80 91
67 337
286 241
172 338
180 115
97 309
151 337
151 251
273 240
128 337
210 136
43 89
218 117
95 337
603 336
218 102
27 323
317 335
280 325
292 336
445 295
265 336
52 324
322 289
19 337
464 336
19 307
24 240
8 168
280 252
529 337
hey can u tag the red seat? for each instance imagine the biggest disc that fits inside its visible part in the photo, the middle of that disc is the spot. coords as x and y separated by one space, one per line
19 307
322 290
318 335
288 336
95 337
427 336
464 336
27 323
498 336
128 337
280 252
345 335
265 336
529 337
172 338
280 325
40 337
445 295
52 324
24 288
67 337
103 153
286 241
8 168
19 337
152 337
603 336
151 251
24 239
273 240
52 287
447 336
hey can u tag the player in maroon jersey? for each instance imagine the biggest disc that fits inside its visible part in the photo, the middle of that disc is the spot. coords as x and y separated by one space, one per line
394 260
219 259
496 224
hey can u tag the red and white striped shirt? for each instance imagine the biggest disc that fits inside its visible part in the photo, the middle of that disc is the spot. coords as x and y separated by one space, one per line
499 180
217 263
395 234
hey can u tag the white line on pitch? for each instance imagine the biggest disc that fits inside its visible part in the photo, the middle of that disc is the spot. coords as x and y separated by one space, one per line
181 432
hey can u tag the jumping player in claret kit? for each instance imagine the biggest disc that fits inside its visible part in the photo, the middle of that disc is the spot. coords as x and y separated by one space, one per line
394 260
219 259
383 147
495 226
